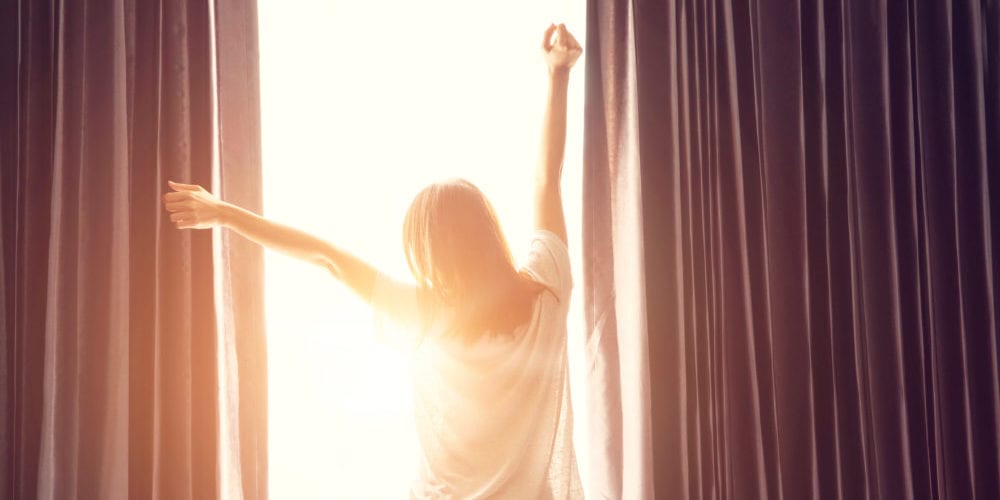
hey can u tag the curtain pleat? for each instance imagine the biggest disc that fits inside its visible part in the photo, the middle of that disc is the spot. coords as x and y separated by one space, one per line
242 277
173 394
26 245
110 365
619 423
83 417
817 183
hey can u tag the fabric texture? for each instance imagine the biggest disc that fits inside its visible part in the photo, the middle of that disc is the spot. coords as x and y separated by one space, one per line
110 366
789 236
493 417
239 284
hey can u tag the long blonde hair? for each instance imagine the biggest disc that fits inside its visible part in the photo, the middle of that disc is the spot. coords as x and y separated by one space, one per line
460 258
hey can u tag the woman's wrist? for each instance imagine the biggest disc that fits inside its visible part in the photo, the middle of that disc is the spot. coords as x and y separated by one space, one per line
559 74
227 214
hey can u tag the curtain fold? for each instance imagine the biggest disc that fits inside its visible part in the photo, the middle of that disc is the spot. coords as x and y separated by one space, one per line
110 371
619 424
817 182
241 284
173 390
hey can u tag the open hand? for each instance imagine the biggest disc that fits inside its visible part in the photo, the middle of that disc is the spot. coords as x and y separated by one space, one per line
192 207
560 48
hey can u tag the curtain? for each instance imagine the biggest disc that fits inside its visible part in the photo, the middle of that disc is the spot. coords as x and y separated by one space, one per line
790 280
111 361
240 282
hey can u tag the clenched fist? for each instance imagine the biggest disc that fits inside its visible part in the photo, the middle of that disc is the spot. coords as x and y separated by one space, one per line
192 207
560 48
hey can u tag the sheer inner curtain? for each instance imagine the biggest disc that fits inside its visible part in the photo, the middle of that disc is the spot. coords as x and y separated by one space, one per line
115 323
790 268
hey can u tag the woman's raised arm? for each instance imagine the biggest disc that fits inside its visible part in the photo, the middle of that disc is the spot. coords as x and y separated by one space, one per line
192 207
561 52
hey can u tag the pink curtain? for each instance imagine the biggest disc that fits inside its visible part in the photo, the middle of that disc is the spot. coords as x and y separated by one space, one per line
110 355
790 231
615 304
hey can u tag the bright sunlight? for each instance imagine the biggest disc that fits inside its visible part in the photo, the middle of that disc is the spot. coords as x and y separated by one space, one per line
363 104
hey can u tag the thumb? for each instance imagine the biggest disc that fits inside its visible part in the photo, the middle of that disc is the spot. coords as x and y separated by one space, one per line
547 38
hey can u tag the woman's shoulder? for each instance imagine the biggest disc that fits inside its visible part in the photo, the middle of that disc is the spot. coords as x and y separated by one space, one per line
548 264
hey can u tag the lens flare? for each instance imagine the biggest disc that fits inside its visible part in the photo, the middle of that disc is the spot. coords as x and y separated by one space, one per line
363 104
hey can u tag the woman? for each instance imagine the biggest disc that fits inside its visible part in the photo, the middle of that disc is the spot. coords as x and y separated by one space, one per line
491 396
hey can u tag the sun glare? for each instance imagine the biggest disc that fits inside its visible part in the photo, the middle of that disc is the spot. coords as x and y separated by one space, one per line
363 104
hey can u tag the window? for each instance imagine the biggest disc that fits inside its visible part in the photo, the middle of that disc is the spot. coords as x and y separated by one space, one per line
363 104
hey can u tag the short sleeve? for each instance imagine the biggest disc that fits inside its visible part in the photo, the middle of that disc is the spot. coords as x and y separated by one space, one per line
548 263
397 311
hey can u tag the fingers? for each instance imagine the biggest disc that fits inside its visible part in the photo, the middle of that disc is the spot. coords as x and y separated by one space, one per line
185 217
182 204
184 221
557 36
571 41
575 50
566 39
186 224
562 38
177 197
187 220
177 206
177 186
547 39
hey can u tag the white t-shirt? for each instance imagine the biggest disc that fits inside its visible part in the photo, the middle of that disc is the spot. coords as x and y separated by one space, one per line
493 417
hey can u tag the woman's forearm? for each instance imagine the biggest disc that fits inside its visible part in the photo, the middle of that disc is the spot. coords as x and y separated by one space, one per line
554 129
355 273
548 198
287 240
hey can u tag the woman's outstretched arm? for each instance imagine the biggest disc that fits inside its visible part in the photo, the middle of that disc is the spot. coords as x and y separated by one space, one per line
561 52
192 207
